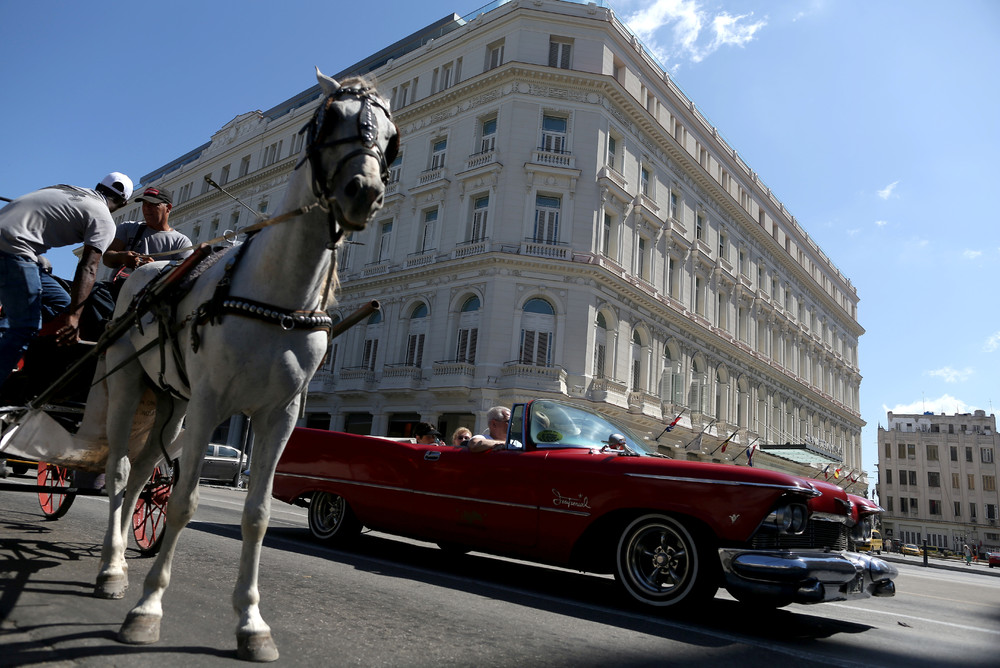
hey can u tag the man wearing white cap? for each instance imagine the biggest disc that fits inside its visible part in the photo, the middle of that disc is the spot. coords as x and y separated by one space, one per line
55 216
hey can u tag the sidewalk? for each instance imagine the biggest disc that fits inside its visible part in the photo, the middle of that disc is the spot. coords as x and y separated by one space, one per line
980 567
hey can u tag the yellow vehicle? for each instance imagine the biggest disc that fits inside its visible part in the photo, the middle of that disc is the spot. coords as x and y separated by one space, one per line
876 545
870 540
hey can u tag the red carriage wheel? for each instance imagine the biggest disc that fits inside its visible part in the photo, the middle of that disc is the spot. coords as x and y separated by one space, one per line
55 501
149 518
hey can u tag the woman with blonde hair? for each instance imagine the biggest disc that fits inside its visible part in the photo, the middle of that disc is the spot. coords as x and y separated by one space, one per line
461 437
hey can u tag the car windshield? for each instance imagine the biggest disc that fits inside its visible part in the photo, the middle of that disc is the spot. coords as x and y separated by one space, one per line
555 424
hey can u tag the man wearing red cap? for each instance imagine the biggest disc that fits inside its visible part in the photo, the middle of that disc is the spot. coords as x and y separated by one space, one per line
136 242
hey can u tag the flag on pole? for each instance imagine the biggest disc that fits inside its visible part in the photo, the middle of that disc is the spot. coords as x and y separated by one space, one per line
836 473
696 441
673 423
826 472
726 442
750 452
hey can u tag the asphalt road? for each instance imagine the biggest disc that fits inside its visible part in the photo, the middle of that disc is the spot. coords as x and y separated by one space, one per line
389 602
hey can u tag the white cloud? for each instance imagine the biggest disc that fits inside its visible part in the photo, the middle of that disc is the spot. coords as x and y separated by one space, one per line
943 404
949 375
886 192
971 254
992 343
687 21
881 223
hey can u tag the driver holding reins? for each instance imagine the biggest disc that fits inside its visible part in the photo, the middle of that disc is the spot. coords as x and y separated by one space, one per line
136 242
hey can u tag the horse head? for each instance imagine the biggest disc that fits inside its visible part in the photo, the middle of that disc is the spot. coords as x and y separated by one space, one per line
351 141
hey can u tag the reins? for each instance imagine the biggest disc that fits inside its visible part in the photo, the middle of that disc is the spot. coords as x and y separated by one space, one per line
250 229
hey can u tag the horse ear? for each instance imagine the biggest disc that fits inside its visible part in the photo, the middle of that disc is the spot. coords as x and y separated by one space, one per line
328 84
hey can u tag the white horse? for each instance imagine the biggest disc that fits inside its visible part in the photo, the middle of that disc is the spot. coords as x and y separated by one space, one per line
248 337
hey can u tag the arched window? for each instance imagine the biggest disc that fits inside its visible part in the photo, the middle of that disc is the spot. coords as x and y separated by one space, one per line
600 346
537 326
331 353
698 396
417 334
636 361
373 333
671 387
722 394
742 403
468 331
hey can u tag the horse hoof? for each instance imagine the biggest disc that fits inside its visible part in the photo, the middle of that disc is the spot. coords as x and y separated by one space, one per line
111 586
139 629
256 647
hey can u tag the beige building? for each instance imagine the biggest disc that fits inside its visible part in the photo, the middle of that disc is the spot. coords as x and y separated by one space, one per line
561 222
938 480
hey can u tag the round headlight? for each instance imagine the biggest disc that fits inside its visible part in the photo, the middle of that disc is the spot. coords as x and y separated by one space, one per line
783 519
800 517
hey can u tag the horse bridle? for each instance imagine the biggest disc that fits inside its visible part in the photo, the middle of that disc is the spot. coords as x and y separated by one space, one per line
367 136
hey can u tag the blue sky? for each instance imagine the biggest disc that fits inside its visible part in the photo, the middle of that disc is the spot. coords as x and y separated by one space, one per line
875 122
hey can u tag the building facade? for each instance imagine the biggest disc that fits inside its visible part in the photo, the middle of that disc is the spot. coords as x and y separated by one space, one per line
561 222
938 480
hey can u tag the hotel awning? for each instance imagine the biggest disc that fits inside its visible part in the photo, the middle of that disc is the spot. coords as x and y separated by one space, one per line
800 453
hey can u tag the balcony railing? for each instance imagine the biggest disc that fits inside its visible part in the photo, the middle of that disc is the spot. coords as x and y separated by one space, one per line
420 259
431 175
470 248
545 249
454 368
357 373
553 158
552 378
375 269
481 159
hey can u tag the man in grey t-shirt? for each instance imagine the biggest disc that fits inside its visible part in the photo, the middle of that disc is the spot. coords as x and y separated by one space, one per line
49 218
136 242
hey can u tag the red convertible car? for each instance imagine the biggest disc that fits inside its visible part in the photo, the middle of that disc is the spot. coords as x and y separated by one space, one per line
672 532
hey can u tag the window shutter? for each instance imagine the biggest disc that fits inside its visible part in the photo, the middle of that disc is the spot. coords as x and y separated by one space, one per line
599 351
542 354
527 346
553 54
471 350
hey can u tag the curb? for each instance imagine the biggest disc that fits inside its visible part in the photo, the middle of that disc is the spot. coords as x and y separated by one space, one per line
978 569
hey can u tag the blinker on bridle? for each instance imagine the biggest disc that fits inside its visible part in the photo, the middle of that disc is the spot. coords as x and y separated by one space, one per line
367 136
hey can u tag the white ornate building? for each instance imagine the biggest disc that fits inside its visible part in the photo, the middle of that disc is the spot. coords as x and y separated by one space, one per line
562 221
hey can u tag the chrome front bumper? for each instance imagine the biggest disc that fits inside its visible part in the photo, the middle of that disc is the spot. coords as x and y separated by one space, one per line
805 577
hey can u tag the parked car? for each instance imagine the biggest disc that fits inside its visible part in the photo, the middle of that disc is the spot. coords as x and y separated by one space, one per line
671 531
15 465
993 559
222 463
911 549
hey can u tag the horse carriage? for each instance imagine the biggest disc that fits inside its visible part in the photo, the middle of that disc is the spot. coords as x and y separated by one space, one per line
241 331
42 409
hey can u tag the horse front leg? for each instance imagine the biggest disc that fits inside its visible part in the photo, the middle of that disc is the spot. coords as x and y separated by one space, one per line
112 576
271 432
142 624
